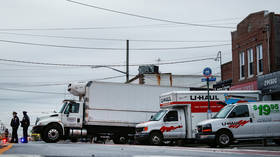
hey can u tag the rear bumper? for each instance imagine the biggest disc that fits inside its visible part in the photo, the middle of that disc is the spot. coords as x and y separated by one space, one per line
141 136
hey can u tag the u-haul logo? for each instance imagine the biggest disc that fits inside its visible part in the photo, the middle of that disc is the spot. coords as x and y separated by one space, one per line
235 124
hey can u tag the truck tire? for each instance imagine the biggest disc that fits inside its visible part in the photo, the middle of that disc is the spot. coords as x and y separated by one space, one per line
155 138
223 138
52 134
120 139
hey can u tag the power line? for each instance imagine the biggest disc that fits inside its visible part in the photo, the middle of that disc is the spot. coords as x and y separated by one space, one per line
101 66
146 17
78 28
113 49
31 91
108 39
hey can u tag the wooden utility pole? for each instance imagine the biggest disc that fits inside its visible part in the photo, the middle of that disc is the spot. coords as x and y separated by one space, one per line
127 61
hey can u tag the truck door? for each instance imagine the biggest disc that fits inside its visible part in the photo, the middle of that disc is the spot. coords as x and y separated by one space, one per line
72 116
240 123
172 126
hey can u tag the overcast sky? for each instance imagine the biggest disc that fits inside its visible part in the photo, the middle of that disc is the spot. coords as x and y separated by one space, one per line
44 15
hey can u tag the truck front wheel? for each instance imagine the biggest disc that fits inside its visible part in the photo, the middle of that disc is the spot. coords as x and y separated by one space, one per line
223 138
155 138
52 134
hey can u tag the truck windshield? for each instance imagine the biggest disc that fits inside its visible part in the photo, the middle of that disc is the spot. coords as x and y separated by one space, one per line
63 106
224 112
158 115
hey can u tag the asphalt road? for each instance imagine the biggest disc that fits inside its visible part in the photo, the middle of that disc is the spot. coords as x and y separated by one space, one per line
102 150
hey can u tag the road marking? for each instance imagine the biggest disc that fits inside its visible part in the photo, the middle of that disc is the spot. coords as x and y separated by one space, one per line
214 150
5 148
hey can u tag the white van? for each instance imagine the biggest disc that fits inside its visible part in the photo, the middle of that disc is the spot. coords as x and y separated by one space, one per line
242 121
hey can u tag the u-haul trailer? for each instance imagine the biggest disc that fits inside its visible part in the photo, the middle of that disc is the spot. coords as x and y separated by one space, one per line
181 111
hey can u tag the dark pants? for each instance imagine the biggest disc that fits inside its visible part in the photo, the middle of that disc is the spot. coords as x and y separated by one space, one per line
14 135
25 134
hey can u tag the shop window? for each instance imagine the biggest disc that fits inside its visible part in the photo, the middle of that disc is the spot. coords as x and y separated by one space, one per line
241 65
259 59
250 55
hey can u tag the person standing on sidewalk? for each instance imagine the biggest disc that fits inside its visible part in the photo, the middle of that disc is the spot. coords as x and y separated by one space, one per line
14 124
25 124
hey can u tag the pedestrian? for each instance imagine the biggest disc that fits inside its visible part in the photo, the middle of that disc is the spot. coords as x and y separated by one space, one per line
14 124
25 124
6 134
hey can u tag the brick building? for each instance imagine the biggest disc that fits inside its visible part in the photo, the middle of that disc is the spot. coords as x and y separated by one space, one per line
226 77
255 56
255 49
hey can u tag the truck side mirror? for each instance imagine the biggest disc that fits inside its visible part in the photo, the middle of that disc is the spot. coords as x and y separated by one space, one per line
152 116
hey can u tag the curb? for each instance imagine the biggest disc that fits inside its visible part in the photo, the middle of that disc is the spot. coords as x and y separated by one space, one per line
4 148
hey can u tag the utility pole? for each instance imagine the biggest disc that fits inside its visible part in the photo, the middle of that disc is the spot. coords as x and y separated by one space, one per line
127 61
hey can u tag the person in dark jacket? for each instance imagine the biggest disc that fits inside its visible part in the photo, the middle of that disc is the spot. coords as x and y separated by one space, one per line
14 124
25 124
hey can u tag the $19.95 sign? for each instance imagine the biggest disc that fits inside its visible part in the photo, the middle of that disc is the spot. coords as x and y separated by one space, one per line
207 72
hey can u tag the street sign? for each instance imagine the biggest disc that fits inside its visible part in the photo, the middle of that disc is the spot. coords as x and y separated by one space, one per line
210 79
207 72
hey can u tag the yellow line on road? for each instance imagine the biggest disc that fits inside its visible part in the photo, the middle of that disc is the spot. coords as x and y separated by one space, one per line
2 150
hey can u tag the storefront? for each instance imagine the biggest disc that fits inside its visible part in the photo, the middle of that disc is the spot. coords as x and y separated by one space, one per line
269 84
245 86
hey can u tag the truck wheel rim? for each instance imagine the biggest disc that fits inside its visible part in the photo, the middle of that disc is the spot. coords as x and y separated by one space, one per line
53 134
224 139
156 140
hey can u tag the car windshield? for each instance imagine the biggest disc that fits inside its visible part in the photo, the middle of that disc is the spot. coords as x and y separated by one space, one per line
63 106
224 112
158 115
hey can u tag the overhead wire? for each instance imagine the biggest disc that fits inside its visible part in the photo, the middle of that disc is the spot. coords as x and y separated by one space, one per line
108 39
147 17
100 66
30 91
111 48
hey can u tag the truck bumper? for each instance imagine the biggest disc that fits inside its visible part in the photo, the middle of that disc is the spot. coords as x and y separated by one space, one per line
206 137
37 129
140 137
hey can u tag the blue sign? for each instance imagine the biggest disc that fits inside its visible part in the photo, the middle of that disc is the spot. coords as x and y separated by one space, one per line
207 72
210 79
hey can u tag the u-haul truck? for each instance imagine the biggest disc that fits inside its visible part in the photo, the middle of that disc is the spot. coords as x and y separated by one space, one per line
242 121
181 111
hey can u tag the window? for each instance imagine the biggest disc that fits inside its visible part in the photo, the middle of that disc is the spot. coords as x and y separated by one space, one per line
239 111
250 62
72 108
171 116
158 115
259 59
242 65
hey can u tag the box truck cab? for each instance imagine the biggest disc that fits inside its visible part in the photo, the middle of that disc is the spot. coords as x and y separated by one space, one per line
181 111
242 121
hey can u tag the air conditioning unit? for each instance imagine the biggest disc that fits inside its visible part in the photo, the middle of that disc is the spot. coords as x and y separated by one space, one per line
148 69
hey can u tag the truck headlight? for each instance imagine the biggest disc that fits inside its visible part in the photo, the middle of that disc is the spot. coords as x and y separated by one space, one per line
145 128
206 128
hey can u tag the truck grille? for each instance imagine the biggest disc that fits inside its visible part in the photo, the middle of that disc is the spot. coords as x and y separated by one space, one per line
139 129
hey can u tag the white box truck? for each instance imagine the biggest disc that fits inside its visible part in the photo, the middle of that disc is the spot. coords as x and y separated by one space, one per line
181 111
242 121
111 109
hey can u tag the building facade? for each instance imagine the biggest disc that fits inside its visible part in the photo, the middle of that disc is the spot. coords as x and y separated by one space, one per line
255 49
